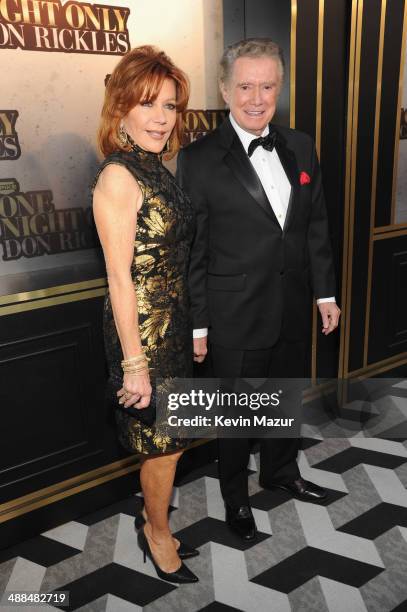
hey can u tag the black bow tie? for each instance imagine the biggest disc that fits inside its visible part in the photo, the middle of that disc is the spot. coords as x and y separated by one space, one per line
267 142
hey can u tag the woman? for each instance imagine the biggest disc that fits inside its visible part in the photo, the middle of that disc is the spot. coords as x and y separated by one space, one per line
145 225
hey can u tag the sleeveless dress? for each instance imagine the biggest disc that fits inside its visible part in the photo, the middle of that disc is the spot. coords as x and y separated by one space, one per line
165 227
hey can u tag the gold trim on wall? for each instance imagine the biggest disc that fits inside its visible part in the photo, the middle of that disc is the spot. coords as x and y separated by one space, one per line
374 178
355 112
389 228
351 136
293 60
52 301
318 126
399 98
57 290
386 235
320 64
381 366
48 495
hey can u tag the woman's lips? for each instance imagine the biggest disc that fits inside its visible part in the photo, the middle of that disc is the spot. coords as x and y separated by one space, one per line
156 135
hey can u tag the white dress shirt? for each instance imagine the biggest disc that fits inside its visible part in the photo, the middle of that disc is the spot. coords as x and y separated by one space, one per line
270 171
275 183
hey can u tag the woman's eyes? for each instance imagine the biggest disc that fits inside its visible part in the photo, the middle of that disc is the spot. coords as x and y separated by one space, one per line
169 106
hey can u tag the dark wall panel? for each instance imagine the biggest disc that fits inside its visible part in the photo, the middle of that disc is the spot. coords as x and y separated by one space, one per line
364 169
55 423
388 311
53 401
334 101
234 21
306 66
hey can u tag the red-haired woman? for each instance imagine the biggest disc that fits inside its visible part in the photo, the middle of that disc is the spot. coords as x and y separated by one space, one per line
145 225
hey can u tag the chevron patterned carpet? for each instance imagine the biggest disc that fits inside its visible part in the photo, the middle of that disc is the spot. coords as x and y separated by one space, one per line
349 554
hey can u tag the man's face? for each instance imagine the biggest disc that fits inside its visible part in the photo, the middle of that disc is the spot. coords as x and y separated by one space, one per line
252 92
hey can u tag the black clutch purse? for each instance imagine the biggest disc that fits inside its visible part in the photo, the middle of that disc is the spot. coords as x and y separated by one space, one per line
146 416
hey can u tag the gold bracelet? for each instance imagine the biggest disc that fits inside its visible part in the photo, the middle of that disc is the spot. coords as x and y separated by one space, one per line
131 370
139 371
135 366
134 359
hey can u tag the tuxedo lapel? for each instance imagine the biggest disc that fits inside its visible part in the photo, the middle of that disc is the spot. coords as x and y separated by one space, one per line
290 166
237 160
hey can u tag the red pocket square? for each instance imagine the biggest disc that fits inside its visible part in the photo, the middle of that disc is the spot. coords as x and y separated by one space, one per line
304 178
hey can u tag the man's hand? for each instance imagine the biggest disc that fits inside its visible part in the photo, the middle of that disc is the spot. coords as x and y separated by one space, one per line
330 314
200 349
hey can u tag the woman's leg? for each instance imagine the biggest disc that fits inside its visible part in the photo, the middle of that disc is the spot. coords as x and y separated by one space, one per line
157 479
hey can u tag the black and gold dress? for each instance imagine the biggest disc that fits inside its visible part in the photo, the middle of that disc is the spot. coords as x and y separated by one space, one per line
165 226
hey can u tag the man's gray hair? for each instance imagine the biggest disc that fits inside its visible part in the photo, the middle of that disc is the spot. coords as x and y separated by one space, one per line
250 47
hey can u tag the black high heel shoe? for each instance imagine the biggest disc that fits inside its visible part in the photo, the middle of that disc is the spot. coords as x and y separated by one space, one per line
184 551
182 575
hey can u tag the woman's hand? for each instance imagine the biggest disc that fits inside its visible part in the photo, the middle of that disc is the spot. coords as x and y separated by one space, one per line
136 390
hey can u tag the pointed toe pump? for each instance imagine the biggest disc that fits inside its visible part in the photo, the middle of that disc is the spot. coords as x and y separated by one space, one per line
184 551
182 575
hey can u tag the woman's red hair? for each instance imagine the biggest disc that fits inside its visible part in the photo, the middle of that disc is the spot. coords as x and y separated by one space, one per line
138 77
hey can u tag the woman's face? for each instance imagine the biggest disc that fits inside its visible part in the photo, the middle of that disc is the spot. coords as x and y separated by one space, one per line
150 123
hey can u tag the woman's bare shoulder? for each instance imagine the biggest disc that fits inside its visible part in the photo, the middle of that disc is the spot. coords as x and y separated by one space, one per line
116 181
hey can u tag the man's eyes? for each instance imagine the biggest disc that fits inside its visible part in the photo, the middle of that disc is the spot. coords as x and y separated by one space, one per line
268 86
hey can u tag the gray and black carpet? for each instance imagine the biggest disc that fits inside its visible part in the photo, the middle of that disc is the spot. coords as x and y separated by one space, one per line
349 554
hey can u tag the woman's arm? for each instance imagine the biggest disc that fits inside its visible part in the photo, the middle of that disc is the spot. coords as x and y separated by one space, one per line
116 201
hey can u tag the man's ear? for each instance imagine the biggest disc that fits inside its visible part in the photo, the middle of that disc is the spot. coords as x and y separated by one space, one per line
224 91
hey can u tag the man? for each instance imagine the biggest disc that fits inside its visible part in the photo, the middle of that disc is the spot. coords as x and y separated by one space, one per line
261 243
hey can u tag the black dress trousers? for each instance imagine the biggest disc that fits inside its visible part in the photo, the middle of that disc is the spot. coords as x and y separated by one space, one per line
278 456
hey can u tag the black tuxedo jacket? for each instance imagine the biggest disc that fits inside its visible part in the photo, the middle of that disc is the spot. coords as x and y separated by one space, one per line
251 282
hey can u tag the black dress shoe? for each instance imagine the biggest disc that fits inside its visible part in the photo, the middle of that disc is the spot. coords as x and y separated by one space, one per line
241 521
184 551
301 489
182 575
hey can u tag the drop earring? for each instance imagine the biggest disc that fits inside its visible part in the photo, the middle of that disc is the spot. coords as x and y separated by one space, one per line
123 137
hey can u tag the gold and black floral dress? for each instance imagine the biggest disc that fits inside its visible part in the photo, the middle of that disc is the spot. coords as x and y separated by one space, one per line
165 227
